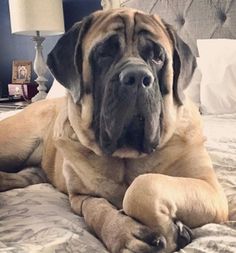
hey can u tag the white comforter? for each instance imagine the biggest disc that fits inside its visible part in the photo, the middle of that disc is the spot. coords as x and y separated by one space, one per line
39 219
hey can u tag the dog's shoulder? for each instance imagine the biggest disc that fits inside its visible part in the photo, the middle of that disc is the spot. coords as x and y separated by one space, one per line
189 126
45 109
47 104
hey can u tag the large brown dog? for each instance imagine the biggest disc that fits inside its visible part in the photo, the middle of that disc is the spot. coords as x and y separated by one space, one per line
125 115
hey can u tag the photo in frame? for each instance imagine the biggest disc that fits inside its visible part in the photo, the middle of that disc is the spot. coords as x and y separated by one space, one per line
21 71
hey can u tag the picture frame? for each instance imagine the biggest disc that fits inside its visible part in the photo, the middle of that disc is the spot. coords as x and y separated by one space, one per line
21 71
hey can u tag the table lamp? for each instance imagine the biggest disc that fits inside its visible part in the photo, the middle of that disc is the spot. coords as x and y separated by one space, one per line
37 18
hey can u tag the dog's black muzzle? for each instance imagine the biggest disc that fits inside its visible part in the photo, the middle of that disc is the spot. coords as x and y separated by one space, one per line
131 108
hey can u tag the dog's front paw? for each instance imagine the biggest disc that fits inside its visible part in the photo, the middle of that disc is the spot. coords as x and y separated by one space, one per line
125 235
143 240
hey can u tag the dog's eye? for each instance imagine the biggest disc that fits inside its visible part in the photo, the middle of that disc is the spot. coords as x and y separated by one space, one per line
158 61
102 52
108 48
158 56
147 51
153 52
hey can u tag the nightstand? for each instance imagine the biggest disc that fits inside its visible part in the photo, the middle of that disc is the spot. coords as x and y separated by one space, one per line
11 106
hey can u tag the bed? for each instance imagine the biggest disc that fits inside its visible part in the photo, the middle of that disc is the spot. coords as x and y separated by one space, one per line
38 218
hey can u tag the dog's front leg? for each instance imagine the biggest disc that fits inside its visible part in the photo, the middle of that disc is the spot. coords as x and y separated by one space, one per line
162 202
120 233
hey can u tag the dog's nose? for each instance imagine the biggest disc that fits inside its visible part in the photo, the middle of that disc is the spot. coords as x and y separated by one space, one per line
136 76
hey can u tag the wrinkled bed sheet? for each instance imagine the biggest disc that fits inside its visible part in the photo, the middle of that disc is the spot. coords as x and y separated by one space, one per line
39 219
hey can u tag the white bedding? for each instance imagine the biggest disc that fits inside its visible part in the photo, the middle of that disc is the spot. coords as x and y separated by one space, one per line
4 115
221 143
39 219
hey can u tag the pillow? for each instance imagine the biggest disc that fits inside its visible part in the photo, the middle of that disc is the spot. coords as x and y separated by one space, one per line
218 66
193 90
56 91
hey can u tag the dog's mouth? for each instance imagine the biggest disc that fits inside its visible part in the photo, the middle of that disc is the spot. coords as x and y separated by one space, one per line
135 136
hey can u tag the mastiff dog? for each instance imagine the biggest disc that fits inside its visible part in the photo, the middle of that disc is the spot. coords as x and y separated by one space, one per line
125 143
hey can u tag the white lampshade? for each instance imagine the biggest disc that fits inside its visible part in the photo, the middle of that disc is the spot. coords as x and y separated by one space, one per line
29 16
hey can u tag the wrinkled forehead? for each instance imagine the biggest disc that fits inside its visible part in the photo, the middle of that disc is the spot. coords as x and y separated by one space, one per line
128 23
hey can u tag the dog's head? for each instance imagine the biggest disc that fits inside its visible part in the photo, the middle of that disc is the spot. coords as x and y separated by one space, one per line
134 68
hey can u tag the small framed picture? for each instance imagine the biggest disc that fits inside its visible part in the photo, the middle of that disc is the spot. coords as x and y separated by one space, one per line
21 71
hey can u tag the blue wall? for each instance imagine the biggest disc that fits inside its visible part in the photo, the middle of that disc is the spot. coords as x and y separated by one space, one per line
18 47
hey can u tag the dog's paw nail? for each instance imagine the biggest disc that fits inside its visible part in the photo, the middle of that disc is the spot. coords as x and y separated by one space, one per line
159 242
184 235
121 211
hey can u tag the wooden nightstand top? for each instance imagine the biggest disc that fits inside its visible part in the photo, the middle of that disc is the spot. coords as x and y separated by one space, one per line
11 106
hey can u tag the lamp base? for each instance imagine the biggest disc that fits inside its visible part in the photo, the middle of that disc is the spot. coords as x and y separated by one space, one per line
40 68
39 96
41 88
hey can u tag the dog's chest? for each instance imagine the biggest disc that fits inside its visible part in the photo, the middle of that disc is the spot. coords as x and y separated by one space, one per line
136 167
158 162
124 171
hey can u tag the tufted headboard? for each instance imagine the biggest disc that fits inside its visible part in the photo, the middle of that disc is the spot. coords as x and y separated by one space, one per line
192 19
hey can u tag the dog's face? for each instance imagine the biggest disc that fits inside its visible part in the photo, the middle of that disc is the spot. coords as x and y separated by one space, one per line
134 67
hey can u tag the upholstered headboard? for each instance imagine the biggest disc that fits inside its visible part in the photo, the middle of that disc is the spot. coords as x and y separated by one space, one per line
192 19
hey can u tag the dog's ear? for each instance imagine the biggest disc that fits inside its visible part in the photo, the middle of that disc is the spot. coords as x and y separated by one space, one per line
65 60
184 63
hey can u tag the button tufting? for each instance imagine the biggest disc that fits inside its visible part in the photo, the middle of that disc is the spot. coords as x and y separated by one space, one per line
222 16
181 21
